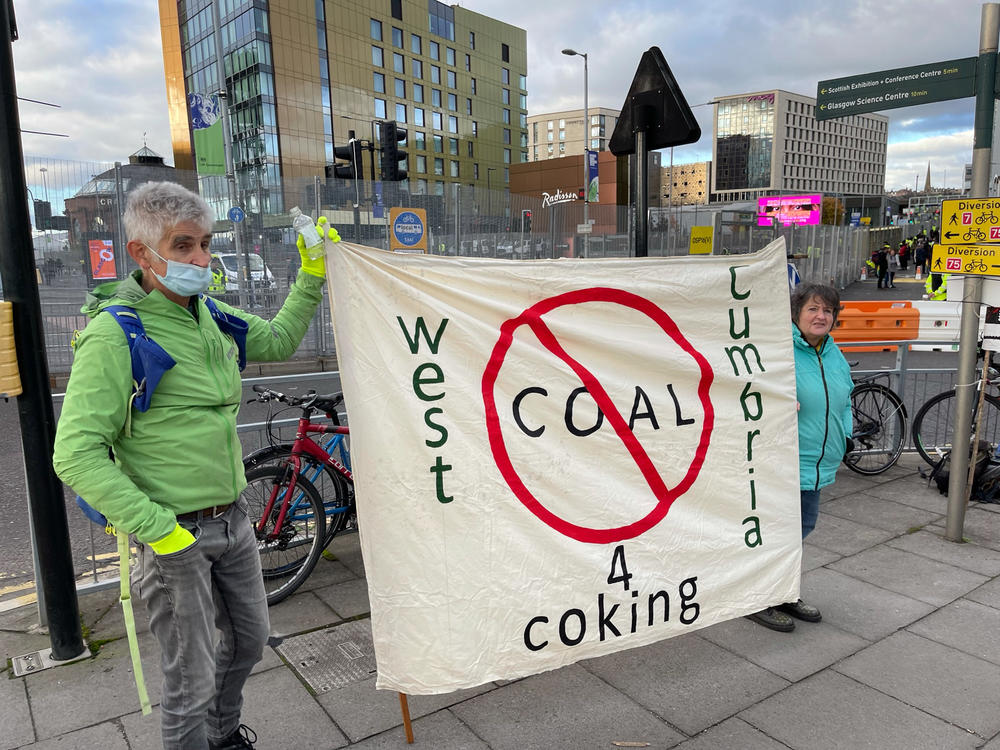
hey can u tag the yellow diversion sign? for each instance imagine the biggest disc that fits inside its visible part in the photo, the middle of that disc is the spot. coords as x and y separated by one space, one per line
978 260
970 221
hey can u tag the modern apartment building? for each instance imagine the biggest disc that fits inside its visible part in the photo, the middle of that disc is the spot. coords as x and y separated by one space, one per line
299 75
557 134
769 142
686 184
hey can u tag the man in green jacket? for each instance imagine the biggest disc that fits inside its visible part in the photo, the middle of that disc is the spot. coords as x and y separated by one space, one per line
177 471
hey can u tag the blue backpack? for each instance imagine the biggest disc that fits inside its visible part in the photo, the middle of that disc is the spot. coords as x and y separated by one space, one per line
150 362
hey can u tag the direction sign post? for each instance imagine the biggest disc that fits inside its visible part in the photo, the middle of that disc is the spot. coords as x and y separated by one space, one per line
899 87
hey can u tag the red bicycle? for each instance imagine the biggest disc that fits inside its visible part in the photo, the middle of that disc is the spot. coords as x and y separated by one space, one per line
299 494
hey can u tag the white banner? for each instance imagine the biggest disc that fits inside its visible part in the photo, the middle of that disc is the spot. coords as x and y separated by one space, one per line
559 459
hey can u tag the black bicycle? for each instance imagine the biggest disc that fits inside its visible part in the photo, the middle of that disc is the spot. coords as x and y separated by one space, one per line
879 426
934 422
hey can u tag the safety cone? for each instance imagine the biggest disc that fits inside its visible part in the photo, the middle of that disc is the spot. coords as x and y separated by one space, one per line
864 274
916 275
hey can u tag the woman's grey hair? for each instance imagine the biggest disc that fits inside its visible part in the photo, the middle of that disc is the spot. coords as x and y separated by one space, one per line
154 208
823 292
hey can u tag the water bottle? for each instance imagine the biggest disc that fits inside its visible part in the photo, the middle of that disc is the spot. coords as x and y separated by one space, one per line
304 226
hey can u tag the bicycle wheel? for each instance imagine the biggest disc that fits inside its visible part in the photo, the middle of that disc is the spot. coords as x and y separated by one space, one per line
334 490
289 554
935 421
879 428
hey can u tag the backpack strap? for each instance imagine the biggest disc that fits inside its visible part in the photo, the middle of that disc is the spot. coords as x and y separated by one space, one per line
231 325
149 360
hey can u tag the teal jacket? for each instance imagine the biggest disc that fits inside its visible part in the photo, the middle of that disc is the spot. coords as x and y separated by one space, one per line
182 454
823 388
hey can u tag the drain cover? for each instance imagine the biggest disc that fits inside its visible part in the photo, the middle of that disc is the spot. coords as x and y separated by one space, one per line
332 658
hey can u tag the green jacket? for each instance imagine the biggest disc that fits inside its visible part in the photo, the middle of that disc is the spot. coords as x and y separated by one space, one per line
182 454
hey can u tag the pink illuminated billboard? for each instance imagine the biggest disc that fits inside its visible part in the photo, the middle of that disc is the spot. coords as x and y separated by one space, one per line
789 209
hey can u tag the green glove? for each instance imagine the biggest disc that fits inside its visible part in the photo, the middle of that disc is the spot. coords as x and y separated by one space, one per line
316 266
177 540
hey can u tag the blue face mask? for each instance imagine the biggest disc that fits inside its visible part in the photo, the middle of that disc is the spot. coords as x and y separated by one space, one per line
183 279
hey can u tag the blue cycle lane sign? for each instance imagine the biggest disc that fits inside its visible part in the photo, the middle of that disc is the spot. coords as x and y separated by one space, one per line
408 230
236 214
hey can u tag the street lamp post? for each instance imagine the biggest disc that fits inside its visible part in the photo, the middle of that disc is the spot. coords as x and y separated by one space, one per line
489 196
45 189
586 146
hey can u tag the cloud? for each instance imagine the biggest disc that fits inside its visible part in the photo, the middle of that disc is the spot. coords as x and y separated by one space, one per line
947 155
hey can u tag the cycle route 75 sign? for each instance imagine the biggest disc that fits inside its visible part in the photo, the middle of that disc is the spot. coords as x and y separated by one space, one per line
969 221
976 260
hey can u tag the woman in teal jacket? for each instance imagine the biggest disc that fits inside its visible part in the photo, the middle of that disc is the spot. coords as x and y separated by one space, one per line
823 389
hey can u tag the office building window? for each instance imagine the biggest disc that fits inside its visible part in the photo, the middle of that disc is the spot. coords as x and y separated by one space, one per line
506 156
452 79
417 68
421 164
397 9
475 129
452 102
400 113
562 135
505 76
436 121
378 83
418 117
438 144
400 88
397 37
418 93
506 136
475 171
472 151
380 108
435 97
468 106
522 101
439 166
453 146
506 117
416 47
522 82
468 62
454 168
377 58
420 140
505 96
472 86
523 118
435 74
472 40
452 124
397 63
376 30
435 50
449 56
562 148
551 136
505 52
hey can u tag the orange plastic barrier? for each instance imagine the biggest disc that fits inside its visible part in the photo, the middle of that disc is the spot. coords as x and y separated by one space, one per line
862 321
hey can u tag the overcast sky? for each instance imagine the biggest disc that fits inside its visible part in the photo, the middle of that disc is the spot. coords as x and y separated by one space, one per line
101 61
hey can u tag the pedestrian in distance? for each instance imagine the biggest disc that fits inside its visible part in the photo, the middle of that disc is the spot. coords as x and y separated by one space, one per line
823 388
904 255
882 265
176 475
893 259
920 252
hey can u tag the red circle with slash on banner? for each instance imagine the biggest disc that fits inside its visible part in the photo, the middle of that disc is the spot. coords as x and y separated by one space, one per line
665 496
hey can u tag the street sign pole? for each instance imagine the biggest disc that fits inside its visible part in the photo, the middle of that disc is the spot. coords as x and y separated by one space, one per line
973 287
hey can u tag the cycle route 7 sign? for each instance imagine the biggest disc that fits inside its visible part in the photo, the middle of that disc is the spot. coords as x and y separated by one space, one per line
970 221
975 260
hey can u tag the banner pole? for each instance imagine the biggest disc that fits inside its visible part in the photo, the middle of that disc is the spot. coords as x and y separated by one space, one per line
404 708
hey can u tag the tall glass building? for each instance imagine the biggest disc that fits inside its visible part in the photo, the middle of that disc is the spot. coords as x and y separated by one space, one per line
770 142
300 74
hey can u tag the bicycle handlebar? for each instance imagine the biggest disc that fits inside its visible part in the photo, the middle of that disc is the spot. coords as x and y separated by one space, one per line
311 399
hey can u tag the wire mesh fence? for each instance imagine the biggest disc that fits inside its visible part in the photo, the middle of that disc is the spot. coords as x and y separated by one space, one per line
79 240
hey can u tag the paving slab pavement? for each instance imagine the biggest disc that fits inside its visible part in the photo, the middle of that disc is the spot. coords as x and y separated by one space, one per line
907 656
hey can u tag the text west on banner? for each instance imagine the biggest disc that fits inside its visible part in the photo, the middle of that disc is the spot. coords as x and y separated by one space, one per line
559 459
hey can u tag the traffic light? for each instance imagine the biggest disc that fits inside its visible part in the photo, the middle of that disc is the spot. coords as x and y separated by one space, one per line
525 221
351 153
43 214
390 136
580 194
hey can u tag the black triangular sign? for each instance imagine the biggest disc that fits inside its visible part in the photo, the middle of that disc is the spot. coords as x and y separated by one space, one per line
654 101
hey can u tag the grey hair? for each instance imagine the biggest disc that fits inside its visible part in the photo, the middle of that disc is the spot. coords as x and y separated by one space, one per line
823 292
154 208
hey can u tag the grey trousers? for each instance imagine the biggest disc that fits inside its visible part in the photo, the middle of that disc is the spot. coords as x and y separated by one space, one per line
213 585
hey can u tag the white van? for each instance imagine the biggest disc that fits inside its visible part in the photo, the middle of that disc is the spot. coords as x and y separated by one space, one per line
233 266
